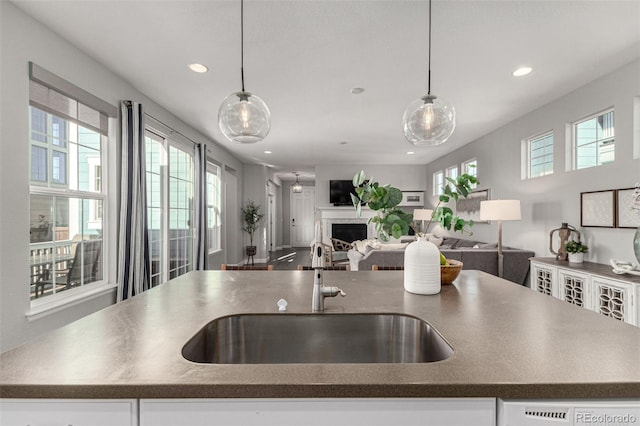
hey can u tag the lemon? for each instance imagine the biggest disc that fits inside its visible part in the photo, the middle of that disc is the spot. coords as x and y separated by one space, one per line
443 260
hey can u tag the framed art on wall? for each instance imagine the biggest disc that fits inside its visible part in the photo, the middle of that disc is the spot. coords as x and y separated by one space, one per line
626 216
597 209
469 208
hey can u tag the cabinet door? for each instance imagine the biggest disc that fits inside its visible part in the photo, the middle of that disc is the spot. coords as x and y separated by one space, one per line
613 298
319 412
544 279
47 412
574 288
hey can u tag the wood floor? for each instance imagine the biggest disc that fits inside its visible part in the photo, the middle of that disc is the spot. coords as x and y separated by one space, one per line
289 259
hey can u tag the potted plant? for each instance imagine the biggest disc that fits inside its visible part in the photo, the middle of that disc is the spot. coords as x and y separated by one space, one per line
576 251
251 216
394 222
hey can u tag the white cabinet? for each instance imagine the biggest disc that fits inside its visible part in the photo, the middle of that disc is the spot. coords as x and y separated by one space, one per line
614 299
544 279
319 412
574 287
588 286
68 412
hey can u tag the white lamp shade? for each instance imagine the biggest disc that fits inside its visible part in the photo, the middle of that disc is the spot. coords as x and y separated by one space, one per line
244 117
500 210
422 214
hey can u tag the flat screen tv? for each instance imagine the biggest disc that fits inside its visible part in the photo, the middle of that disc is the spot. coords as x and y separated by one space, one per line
339 192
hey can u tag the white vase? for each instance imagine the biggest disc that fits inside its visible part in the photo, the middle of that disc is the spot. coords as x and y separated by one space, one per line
422 268
576 257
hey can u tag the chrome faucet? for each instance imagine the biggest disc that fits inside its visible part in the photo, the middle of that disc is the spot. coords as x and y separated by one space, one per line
318 263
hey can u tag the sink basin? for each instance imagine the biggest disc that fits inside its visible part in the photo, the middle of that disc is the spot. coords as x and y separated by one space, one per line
316 338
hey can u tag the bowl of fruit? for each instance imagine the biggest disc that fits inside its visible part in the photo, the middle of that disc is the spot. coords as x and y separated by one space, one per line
449 269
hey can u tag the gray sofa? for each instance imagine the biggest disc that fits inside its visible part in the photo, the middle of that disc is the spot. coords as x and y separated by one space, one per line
473 254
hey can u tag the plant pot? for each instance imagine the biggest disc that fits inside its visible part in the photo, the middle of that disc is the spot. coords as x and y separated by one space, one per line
448 273
251 250
422 268
576 257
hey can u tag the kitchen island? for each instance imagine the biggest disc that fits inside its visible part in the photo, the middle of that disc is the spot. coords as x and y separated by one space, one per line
508 341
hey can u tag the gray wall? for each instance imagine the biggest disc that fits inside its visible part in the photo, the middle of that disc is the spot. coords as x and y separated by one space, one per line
23 39
550 200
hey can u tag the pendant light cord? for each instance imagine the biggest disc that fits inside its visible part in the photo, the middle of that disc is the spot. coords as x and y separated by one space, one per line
242 42
429 72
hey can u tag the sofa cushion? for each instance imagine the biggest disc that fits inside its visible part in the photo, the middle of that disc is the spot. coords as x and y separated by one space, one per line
465 243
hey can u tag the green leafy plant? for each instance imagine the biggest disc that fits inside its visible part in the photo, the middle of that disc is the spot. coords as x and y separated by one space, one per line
393 221
576 247
461 186
251 216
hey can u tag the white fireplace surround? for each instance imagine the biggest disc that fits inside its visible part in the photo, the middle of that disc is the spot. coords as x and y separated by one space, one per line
331 215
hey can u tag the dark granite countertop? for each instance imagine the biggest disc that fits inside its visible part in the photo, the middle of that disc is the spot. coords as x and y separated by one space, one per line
509 342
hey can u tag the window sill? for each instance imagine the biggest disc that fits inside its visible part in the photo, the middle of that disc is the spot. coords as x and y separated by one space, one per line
42 310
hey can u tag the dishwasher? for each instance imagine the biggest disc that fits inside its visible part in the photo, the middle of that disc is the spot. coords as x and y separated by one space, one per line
593 412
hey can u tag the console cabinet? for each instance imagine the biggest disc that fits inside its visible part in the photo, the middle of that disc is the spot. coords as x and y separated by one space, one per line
589 285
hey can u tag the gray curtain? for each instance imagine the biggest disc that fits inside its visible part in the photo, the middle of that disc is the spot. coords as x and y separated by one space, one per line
201 241
133 248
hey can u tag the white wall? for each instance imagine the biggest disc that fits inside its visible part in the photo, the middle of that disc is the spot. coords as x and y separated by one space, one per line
550 200
22 40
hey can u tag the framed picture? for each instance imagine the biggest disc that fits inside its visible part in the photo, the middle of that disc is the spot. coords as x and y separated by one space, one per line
597 209
469 208
626 216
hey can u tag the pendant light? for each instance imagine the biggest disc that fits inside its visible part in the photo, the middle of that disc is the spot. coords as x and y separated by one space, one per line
296 188
244 117
431 119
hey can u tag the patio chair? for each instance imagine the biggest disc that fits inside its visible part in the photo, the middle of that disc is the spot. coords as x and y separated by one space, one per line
84 268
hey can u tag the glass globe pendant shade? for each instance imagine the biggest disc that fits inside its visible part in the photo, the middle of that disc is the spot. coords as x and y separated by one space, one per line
429 120
244 118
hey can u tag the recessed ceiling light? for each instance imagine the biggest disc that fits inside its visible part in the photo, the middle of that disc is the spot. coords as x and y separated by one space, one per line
267 152
356 90
199 68
410 152
522 71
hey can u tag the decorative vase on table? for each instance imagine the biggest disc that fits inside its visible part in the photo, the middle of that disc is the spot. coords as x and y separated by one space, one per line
422 267
576 257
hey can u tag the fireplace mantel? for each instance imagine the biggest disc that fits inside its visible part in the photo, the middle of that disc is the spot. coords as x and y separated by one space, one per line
347 214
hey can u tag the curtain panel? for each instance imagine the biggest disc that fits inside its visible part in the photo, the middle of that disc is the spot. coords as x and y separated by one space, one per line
201 240
133 249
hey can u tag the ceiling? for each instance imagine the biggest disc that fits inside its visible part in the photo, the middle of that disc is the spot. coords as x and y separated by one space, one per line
303 57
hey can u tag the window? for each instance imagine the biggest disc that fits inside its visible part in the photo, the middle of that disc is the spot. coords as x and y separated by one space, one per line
214 199
594 140
438 182
539 155
470 167
452 172
67 198
170 190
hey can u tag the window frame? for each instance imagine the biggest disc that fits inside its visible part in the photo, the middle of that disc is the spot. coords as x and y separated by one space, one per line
527 157
465 168
216 170
574 142
56 191
438 183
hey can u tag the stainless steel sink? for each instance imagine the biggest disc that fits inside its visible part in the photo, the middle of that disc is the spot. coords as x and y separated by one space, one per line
316 338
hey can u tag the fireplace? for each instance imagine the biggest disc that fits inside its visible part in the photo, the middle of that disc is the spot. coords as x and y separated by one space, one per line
349 232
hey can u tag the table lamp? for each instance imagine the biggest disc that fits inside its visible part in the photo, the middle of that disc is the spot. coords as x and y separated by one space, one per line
500 210
422 215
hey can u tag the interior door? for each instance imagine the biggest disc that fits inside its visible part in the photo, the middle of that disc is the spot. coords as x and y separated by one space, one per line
302 216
